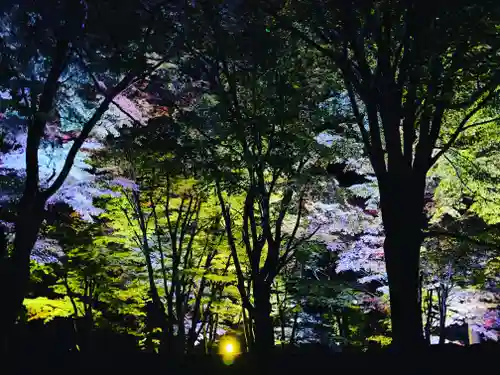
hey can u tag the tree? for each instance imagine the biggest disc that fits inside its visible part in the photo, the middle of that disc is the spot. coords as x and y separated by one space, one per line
351 229
44 54
458 248
100 279
351 311
174 222
416 78
251 125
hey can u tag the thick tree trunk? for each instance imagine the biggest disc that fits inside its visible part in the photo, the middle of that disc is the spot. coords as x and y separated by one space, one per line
264 329
16 268
405 309
402 211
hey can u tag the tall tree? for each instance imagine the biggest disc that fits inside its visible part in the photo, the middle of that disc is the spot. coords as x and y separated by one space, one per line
46 49
417 77
250 124
102 279
175 223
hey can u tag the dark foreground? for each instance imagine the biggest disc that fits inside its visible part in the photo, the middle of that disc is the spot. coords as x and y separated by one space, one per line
448 359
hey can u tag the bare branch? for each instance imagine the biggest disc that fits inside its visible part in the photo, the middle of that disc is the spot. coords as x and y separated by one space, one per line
290 252
137 238
297 222
464 184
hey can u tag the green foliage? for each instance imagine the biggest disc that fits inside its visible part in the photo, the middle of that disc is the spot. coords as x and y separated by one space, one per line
209 193
382 340
47 309
470 170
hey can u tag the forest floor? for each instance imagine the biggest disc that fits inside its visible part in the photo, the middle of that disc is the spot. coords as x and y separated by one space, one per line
447 359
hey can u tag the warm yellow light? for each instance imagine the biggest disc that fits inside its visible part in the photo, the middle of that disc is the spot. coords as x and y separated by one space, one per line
229 349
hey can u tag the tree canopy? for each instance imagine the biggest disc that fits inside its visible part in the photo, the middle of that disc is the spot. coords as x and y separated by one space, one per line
184 177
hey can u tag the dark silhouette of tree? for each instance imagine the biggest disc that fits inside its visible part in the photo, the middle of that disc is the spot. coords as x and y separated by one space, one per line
417 77
60 35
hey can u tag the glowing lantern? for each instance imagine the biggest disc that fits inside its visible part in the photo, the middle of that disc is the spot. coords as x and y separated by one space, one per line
229 349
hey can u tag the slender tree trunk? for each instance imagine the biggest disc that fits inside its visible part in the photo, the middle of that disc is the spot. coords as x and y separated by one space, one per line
294 328
211 327
281 313
443 298
428 322
168 326
192 333
282 326
345 324
71 296
338 319
3 244
159 317
248 329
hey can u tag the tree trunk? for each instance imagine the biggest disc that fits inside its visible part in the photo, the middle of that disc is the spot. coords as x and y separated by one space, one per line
443 298
402 203
345 324
294 328
428 323
3 244
402 250
17 267
248 329
282 316
264 330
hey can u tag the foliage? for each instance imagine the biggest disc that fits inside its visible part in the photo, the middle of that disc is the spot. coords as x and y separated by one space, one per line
257 171
47 309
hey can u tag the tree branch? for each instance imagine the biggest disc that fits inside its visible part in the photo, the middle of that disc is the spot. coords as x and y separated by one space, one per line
482 123
459 236
36 130
461 126
82 137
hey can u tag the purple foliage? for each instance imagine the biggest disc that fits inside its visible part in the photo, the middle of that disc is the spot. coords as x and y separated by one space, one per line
492 319
80 187
125 183
46 251
489 328
356 236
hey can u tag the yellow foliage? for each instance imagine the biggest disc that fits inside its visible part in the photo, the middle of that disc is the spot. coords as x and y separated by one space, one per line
48 309
382 340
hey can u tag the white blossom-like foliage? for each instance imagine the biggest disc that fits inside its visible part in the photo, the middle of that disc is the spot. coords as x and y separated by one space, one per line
355 236
81 186
354 233
125 183
47 251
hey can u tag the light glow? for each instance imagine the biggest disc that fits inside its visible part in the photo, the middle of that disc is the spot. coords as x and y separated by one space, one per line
229 349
